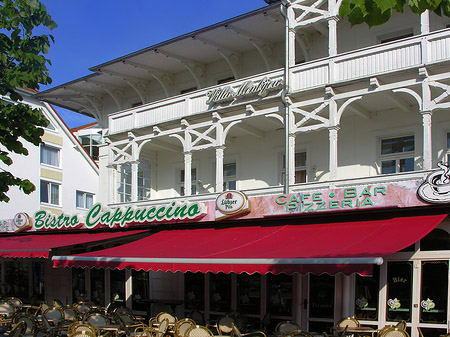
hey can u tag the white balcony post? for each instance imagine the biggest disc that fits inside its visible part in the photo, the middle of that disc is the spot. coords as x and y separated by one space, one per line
332 36
424 29
291 160
187 173
333 135
219 168
427 140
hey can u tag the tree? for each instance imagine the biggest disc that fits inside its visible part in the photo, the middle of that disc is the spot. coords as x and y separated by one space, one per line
22 65
377 12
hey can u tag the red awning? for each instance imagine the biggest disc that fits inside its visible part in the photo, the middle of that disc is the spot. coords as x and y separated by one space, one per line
39 245
345 247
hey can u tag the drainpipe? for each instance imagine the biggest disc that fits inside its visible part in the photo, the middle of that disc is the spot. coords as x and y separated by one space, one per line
285 4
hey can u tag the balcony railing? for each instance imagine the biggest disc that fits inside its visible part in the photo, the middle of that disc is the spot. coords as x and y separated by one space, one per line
409 53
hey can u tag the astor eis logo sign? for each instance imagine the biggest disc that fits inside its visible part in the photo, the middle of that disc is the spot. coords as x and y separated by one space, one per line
231 203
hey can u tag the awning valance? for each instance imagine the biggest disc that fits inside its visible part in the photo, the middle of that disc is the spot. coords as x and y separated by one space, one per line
40 245
332 248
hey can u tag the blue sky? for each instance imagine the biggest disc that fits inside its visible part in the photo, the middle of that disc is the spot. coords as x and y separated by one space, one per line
91 32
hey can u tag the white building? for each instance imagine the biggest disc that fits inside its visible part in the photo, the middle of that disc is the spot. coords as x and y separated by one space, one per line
66 178
333 133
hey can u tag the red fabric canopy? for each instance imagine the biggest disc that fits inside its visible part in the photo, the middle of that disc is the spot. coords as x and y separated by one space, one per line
345 247
39 245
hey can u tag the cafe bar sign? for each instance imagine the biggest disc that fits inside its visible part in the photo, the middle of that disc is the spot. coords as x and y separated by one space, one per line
248 88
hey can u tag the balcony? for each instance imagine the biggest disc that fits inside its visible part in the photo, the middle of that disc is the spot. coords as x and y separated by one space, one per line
408 54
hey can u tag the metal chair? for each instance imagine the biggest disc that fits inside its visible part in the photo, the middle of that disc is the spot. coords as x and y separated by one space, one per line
18 330
182 325
350 322
31 323
199 331
223 325
237 333
83 327
286 328
394 332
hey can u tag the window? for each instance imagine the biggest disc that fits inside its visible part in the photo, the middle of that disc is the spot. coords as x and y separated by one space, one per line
229 176
144 180
300 168
193 182
84 199
91 143
124 190
366 295
49 193
397 154
49 155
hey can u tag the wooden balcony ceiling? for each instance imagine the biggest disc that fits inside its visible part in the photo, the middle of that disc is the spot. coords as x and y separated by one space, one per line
263 27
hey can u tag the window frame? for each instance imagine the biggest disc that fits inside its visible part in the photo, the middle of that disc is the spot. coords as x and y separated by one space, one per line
230 178
50 148
83 195
396 156
194 182
124 188
297 168
50 200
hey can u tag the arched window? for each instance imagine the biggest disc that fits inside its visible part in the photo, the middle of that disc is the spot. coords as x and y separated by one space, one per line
438 239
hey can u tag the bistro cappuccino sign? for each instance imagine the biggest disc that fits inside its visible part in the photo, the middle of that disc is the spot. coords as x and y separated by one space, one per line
226 94
119 217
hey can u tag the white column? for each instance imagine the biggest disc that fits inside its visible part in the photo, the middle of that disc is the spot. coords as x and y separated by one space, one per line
427 140
219 168
424 29
425 22
187 173
333 135
332 36
134 180
290 163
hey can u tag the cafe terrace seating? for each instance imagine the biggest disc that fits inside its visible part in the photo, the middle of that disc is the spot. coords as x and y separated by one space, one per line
237 333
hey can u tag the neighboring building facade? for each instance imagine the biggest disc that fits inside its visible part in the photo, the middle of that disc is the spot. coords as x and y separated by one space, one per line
333 134
66 178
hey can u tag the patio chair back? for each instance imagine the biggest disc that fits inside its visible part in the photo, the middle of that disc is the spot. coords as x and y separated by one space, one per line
286 327
199 331
16 302
83 328
394 332
182 325
350 322
225 325
7 309
18 330
98 319
30 322
163 315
